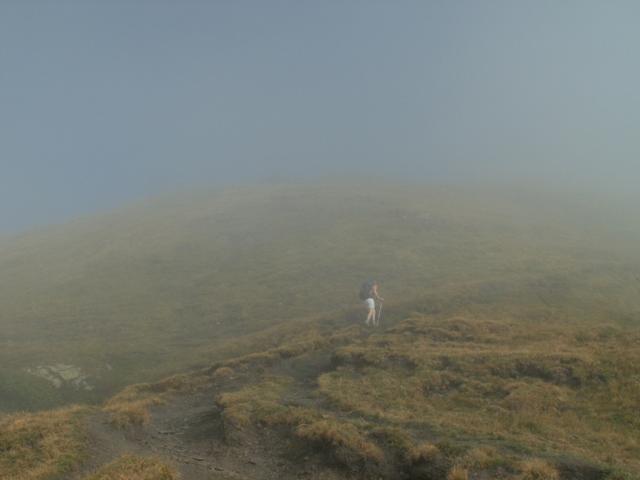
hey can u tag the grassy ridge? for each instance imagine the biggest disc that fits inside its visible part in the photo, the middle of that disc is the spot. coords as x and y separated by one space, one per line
476 381
150 290
464 392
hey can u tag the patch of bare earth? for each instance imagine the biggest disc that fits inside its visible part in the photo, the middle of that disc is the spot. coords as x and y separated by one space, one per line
188 432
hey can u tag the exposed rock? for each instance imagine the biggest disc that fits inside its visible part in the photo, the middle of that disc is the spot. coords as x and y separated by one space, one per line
61 374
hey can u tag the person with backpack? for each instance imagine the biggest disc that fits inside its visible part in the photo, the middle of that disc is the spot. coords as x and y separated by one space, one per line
369 295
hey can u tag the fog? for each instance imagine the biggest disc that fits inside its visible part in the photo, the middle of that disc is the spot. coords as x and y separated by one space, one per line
103 103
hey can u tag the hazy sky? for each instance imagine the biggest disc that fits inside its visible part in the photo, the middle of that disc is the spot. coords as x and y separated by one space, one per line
103 102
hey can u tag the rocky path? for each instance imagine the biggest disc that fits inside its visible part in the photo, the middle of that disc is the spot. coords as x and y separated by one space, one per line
188 433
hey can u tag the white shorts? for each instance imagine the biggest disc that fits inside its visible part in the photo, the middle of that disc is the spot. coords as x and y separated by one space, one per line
370 303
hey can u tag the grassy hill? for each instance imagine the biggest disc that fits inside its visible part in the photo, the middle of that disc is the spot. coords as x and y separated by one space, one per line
508 349
162 286
468 382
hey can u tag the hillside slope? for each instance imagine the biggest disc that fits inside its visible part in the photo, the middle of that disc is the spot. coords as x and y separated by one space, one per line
466 383
142 292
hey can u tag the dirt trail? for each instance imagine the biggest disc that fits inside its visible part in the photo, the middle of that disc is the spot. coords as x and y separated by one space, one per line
191 432
188 433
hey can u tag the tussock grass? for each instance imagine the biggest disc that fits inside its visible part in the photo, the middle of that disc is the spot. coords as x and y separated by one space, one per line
534 388
40 446
131 413
294 344
483 458
346 442
131 406
424 452
261 403
536 469
428 461
252 403
458 473
395 440
181 383
130 467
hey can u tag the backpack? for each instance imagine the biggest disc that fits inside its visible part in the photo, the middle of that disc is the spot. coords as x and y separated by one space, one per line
365 290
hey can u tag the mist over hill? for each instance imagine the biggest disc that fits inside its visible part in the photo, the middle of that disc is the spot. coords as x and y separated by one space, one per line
160 286
193 193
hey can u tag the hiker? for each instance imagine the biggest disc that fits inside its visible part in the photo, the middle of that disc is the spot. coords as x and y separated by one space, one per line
369 294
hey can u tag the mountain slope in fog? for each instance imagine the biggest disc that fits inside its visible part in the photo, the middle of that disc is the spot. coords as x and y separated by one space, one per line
152 289
471 381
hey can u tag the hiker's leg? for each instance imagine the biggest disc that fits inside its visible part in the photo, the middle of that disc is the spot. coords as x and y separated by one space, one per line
371 315
367 320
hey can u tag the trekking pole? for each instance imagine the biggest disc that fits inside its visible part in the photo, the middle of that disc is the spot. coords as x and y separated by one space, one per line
379 315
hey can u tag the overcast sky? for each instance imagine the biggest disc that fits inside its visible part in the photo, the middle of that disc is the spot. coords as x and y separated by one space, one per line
105 102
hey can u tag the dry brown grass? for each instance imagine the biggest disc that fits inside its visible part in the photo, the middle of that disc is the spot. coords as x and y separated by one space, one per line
527 384
397 440
129 467
290 416
482 458
523 385
260 403
42 445
222 373
425 452
252 403
131 406
458 473
520 384
347 443
294 343
537 469
181 383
